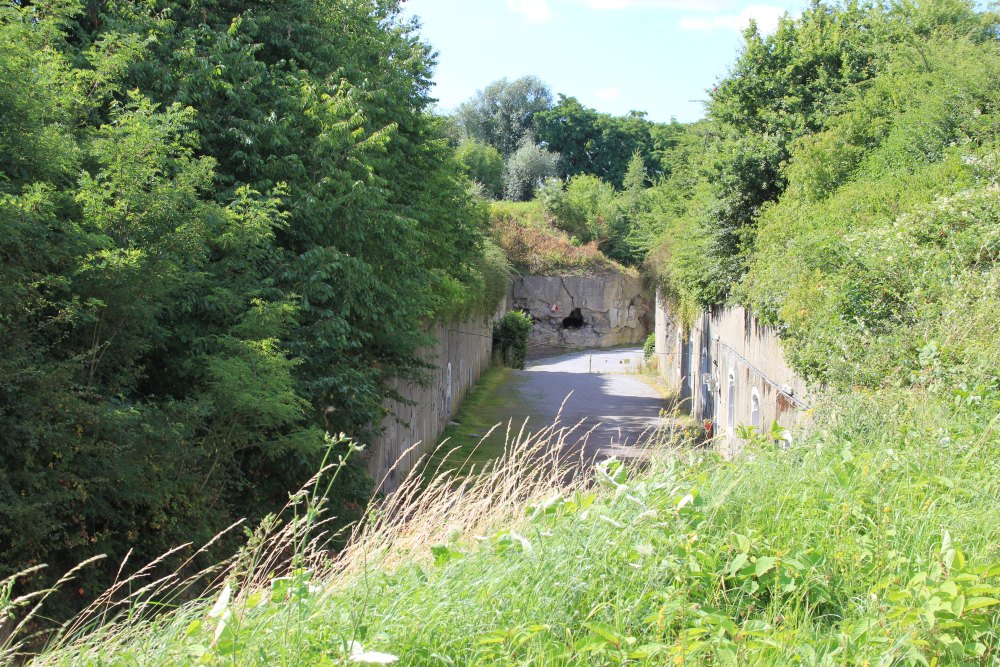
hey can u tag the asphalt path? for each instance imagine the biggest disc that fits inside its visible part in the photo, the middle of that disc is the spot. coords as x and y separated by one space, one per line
598 394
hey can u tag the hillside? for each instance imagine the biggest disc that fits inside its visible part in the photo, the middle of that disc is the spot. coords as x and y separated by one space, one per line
873 541
536 246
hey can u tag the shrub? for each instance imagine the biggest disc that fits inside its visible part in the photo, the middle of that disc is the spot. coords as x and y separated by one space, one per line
510 339
649 347
539 249
483 164
526 169
585 208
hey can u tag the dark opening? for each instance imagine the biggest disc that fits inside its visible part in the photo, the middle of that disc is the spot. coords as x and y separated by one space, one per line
574 321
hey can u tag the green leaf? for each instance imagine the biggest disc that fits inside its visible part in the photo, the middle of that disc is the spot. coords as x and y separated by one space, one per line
646 651
980 603
764 565
605 631
737 564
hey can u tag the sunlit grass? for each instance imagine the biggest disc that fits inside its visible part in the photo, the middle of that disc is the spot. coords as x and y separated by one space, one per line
874 540
475 440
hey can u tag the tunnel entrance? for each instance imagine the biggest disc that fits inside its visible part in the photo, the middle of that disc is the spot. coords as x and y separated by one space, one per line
574 321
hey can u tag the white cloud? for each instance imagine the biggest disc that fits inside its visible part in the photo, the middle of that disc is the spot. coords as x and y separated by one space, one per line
700 5
766 17
609 93
535 11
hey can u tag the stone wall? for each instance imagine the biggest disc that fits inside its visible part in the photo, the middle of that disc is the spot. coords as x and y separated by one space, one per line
730 369
460 356
584 311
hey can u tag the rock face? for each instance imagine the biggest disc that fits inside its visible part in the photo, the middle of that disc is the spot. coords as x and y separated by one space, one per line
584 311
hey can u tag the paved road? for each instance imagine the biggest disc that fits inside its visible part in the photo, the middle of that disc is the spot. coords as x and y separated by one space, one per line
598 389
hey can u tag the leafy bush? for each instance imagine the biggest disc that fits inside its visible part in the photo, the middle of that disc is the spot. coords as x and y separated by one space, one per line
894 253
222 226
649 346
534 246
510 339
483 164
585 207
526 169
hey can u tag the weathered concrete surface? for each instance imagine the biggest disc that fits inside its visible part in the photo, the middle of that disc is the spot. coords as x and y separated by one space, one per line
729 368
612 310
461 354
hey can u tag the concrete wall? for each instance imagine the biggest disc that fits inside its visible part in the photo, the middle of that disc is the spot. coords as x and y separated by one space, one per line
460 356
729 368
613 308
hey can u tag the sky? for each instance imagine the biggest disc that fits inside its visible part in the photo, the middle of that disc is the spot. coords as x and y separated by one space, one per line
657 56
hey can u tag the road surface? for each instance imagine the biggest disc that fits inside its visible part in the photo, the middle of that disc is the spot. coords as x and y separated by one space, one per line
599 392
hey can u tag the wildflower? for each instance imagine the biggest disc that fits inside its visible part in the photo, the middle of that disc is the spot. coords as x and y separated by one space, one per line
361 656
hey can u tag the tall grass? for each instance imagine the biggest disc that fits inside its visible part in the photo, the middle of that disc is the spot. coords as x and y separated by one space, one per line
874 540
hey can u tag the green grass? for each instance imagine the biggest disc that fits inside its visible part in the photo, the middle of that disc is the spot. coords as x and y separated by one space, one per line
874 541
466 444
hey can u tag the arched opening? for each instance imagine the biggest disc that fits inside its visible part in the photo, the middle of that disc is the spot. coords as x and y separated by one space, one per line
574 320
755 409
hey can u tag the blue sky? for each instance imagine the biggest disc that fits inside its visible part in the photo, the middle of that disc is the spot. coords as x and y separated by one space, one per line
657 56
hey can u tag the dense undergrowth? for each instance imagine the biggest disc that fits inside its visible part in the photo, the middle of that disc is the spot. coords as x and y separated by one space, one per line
224 231
873 540
535 245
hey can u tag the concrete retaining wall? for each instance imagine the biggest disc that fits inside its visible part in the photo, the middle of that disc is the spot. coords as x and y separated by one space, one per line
460 356
584 311
730 369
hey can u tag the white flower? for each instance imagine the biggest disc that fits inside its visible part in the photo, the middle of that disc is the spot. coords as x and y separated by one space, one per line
361 656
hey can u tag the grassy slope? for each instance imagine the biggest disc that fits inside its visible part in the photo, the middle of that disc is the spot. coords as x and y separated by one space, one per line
868 543
535 246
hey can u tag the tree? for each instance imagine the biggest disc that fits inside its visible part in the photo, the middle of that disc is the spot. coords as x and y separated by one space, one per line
483 164
596 143
526 169
224 232
503 113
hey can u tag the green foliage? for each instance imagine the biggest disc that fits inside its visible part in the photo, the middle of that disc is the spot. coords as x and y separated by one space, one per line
526 169
510 339
891 250
649 345
782 87
601 144
483 164
591 211
874 542
850 103
502 115
533 244
224 229
583 208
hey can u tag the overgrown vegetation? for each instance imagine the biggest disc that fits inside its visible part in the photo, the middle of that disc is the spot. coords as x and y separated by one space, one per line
850 125
510 339
844 187
872 542
223 229
534 245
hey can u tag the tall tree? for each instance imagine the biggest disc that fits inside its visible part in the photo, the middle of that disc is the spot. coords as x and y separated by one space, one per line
503 113
595 143
225 228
